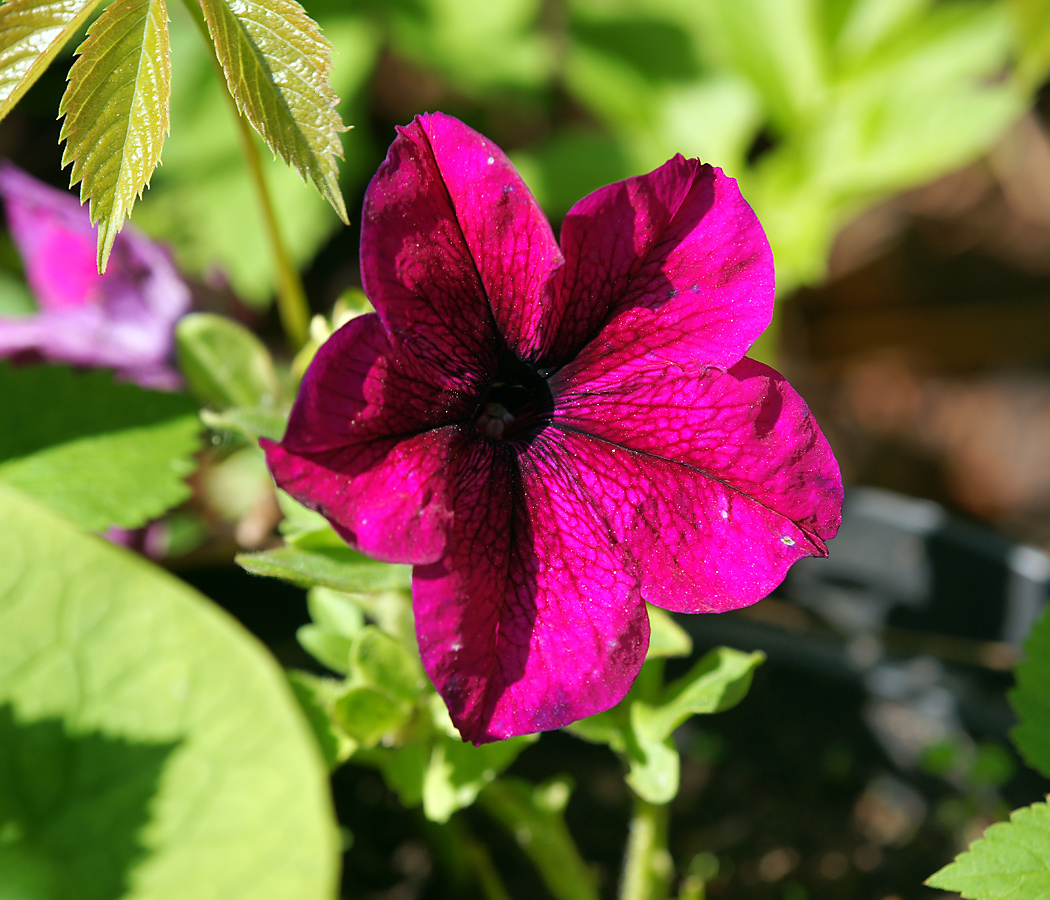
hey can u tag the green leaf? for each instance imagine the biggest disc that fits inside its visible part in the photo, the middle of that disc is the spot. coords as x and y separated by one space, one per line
277 65
335 612
1030 698
533 815
369 713
1011 861
329 649
116 109
666 637
251 422
717 682
317 698
339 568
31 34
380 661
157 748
458 772
100 452
224 363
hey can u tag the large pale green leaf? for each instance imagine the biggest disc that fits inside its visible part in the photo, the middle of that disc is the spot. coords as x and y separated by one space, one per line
100 452
1031 698
116 109
31 34
149 747
277 65
1011 861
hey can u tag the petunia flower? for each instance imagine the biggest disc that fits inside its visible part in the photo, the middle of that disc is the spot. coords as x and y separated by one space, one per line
554 434
124 319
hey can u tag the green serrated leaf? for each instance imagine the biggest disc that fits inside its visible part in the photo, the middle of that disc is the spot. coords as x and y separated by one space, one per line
339 568
277 65
31 34
150 745
1031 698
1011 861
116 111
225 364
100 452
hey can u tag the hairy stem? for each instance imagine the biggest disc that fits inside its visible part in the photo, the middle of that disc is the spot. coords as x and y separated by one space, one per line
647 864
292 307
536 823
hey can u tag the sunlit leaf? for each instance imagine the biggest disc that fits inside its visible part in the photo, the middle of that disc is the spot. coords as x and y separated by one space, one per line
100 452
31 34
277 64
116 109
339 568
224 363
1011 861
149 746
1031 698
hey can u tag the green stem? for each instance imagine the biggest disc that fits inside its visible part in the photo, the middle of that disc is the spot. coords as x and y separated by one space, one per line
647 864
291 298
292 307
540 831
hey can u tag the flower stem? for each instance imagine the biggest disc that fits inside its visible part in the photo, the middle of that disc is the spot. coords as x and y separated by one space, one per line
291 298
647 864
292 307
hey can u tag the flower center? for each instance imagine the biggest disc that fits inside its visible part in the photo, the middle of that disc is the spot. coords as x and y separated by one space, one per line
518 404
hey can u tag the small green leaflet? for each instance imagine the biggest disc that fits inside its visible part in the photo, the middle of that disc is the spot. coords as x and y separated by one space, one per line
1011 861
277 64
1031 698
116 109
100 452
31 34
149 746
338 568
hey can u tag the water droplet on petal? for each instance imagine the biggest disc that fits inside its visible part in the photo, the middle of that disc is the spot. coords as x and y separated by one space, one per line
787 541
490 160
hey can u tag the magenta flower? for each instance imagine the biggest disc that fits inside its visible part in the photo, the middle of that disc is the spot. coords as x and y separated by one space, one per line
123 320
553 435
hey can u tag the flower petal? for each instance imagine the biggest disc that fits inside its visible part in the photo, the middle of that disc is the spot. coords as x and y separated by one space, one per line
532 620
453 248
369 445
124 319
715 482
674 261
509 237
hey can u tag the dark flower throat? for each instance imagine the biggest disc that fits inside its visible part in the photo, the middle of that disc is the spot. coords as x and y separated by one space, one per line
517 405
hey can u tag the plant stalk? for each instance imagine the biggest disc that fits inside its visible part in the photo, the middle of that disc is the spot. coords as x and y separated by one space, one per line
647 864
292 307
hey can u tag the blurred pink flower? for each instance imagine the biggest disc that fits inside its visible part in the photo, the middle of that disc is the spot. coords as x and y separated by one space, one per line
553 435
123 320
